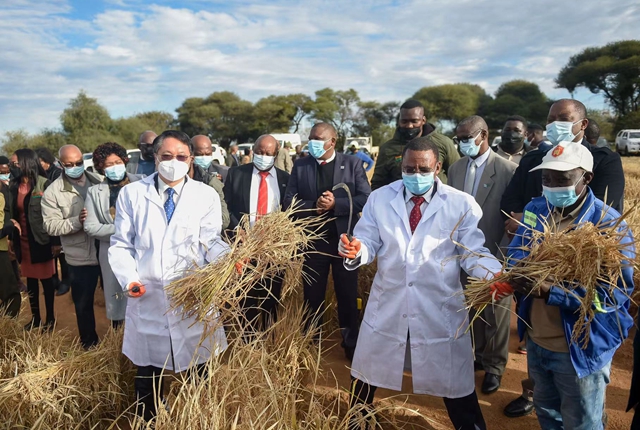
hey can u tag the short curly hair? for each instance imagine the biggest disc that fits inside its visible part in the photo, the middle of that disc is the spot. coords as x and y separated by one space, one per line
101 153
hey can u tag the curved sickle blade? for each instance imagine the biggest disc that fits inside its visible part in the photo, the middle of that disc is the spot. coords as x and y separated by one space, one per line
345 187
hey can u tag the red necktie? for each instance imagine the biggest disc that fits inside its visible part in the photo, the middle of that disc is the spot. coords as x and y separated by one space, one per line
323 163
416 215
263 195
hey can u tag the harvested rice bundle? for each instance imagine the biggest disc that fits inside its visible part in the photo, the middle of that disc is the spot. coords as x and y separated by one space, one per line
53 383
588 256
274 246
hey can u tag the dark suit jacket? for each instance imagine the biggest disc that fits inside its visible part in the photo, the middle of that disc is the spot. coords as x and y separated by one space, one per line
349 170
237 191
232 161
608 178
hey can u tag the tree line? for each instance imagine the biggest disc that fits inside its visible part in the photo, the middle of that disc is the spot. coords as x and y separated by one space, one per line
612 70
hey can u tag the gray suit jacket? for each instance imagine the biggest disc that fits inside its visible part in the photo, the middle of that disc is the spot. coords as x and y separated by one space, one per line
495 178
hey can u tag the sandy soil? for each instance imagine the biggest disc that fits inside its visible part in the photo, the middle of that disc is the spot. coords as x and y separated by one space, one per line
337 375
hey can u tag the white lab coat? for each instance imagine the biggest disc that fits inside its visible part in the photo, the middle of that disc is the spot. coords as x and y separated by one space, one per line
144 248
417 291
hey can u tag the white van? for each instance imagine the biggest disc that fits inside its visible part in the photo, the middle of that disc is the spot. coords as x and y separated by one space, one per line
292 138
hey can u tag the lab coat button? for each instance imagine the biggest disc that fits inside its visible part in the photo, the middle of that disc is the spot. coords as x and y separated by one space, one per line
402 345
411 284
166 326
404 315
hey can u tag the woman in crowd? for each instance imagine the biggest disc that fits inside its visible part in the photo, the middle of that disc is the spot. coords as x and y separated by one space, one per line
9 287
110 160
34 249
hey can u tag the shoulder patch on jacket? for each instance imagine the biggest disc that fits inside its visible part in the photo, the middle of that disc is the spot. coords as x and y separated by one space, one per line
530 219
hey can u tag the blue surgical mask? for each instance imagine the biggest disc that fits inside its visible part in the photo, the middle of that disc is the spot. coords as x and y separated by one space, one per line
418 183
203 161
316 148
527 143
263 162
5 176
469 147
561 131
74 172
115 173
561 197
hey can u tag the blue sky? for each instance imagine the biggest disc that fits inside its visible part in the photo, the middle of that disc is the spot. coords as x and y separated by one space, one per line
136 56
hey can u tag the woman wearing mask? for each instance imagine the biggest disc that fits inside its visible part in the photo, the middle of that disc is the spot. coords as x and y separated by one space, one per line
33 247
110 160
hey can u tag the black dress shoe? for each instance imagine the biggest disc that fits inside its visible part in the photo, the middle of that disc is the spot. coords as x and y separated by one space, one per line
520 407
490 383
63 288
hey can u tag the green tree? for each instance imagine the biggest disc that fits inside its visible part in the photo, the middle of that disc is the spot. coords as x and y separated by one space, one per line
630 120
223 116
157 121
376 120
605 121
338 108
86 123
613 69
451 102
516 97
273 114
303 105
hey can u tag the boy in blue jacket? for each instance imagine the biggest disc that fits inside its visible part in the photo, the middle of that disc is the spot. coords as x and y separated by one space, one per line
570 381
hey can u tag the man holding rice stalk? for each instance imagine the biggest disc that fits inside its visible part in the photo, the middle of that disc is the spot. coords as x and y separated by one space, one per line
422 232
571 267
165 225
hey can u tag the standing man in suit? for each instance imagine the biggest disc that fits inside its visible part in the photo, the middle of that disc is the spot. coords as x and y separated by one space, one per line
257 189
485 175
233 159
203 160
311 182
146 164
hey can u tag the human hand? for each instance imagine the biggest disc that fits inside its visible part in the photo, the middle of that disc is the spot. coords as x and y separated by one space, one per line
349 249
16 225
529 287
56 250
327 200
240 265
511 225
83 215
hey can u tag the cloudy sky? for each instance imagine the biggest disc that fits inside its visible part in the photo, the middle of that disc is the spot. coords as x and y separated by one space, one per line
136 56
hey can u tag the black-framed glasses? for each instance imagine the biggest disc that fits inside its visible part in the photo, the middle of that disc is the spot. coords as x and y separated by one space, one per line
472 136
76 164
169 157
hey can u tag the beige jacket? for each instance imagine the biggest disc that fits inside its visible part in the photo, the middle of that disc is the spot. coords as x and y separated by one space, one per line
61 207
284 160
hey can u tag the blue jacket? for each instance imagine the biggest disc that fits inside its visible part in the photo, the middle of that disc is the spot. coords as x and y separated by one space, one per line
612 320
365 160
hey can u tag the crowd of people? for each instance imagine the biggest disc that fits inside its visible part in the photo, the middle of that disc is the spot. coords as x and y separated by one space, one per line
435 217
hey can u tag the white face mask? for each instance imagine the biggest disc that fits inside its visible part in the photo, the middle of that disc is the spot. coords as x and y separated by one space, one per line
173 170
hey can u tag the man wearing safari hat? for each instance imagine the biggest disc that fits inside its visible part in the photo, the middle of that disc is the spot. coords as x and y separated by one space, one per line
570 381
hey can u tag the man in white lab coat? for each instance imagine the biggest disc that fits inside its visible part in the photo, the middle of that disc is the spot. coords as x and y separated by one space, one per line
422 232
165 225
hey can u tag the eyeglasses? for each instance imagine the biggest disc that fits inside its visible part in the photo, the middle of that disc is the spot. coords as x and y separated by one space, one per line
76 164
169 157
472 136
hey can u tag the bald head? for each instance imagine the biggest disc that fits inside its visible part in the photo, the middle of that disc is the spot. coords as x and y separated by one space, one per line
145 144
201 145
67 150
70 156
325 129
474 122
266 145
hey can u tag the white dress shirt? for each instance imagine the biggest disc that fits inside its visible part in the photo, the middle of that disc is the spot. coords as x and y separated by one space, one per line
410 204
481 162
273 204
162 190
333 156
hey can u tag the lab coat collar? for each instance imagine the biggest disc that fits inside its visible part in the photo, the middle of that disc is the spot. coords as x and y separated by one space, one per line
399 204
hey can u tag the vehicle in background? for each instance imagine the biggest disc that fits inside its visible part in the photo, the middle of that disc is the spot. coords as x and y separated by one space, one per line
361 142
134 155
628 142
243 147
496 141
219 154
292 138
88 161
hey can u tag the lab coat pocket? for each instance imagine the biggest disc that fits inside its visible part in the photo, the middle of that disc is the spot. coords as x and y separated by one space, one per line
455 316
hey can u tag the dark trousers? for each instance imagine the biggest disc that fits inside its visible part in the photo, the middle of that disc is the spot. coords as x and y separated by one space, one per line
9 289
316 271
33 288
260 307
149 388
464 412
83 287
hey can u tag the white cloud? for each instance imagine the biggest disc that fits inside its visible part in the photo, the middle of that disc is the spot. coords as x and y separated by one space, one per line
135 57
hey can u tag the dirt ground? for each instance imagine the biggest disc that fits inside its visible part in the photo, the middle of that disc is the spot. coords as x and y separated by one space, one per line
337 375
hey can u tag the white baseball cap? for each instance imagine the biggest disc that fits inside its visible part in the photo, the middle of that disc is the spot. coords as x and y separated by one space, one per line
567 156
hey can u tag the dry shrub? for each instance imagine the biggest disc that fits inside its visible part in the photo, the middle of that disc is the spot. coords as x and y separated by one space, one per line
588 255
49 382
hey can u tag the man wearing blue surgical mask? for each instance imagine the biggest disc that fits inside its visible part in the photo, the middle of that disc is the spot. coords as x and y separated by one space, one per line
485 174
64 214
255 190
311 184
570 378
566 122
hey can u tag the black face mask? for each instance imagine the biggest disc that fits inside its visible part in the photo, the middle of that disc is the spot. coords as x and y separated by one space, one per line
512 142
408 134
146 152
16 172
